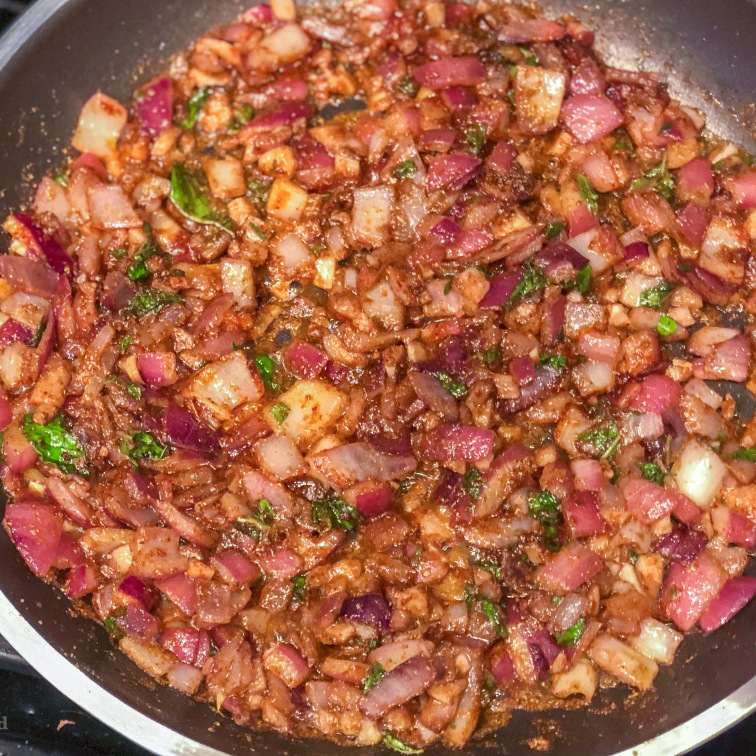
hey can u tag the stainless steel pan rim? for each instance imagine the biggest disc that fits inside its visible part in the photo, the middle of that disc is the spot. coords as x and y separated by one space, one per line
161 739
164 741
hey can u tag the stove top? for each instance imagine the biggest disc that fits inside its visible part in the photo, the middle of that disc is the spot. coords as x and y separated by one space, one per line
37 720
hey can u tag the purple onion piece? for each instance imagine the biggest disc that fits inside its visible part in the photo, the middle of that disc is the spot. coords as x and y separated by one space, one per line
184 430
371 609
681 544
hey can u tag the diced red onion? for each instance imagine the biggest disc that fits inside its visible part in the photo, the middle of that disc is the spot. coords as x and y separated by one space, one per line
437 140
287 662
587 78
402 684
452 171
445 231
137 589
735 594
180 590
696 178
279 114
154 106
501 289
581 513
743 189
371 609
304 360
234 567
688 591
136 621
503 669
18 452
658 393
35 530
458 98
580 220
552 321
729 360
531 30
589 475
282 564
40 246
450 72
446 443
157 368
636 251
184 430
693 221
375 500
682 544
569 569
80 581
590 117
522 370
12 331
547 378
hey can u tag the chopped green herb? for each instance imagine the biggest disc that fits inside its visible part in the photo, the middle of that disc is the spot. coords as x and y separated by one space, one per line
54 444
408 86
39 333
258 191
554 229
633 554
491 611
258 231
623 144
143 445
603 440
471 482
583 280
651 471
61 178
110 624
665 127
489 566
492 355
746 453
684 267
556 600
241 118
125 344
533 281
119 253
266 508
266 367
152 300
476 138
719 165
557 361
470 597
130 388
373 677
396 744
405 169
280 412
571 635
186 196
257 522
531 59
194 107
337 513
587 192
452 385
318 249
449 284
654 297
299 593
659 179
542 502
138 270
666 325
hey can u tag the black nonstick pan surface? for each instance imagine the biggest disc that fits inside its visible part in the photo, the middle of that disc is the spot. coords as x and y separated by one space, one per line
51 61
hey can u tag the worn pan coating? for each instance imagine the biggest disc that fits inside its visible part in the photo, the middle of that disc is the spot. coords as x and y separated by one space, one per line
63 50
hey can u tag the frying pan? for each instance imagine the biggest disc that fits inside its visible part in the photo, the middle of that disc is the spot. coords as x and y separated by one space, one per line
51 61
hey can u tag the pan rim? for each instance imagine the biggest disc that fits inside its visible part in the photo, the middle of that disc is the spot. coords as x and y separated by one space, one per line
163 740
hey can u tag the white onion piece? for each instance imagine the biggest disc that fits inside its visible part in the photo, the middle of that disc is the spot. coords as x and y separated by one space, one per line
381 304
623 662
287 44
583 243
580 681
238 281
279 457
699 473
293 253
371 214
657 641
100 123
696 387
703 341
635 284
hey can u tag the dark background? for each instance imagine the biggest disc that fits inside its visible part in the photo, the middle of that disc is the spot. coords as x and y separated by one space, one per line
36 720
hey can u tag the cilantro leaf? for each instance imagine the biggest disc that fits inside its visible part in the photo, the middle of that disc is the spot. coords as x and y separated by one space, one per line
452 385
299 593
280 412
152 300
654 297
257 522
659 179
533 281
557 361
54 444
603 440
143 445
666 325
571 635
476 138
405 169
337 513
373 677
651 471
194 107
396 744
491 610
266 367
587 192
554 229
471 482
746 453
